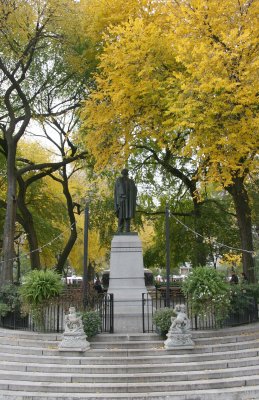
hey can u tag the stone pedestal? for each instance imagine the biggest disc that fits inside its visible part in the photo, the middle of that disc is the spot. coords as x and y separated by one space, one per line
180 340
127 282
72 342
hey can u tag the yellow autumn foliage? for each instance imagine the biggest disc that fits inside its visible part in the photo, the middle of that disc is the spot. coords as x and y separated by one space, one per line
231 260
188 68
218 44
131 91
96 252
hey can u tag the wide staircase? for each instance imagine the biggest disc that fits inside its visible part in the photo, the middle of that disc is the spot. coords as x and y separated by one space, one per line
223 365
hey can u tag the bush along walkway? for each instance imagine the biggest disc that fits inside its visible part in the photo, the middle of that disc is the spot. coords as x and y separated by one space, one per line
223 365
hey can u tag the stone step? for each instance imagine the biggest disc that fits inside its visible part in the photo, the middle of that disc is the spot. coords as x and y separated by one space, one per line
236 330
24 346
224 365
156 349
240 393
161 356
227 339
129 368
13 341
200 345
30 335
106 337
116 341
113 349
121 341
135 387
210 335
128 377
241 330
97 344
128 344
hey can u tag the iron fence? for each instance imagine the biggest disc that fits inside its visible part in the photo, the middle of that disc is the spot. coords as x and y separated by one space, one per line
156 300
54 315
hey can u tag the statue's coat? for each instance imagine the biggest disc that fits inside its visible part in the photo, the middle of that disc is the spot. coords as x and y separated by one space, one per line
125 195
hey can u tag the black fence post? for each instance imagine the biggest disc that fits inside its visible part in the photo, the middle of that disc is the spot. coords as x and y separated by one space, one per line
111 314
143 312
167 235
58 322
85 271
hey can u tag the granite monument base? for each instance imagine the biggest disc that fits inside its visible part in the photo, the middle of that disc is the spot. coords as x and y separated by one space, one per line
127 282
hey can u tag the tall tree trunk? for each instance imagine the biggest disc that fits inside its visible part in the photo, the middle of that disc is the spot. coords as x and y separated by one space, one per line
28 225
9 225
244 220
191 185
73 232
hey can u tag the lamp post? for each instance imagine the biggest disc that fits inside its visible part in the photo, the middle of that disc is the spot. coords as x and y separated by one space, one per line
85 270
167 235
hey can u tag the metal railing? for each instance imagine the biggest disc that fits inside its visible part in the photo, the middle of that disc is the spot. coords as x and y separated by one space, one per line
105 307
156 300
53 315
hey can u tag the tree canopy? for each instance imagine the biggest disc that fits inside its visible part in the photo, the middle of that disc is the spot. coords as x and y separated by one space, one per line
188 68
168 88
184 77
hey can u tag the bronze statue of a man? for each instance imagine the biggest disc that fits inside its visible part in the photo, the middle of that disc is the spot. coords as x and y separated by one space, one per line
125 196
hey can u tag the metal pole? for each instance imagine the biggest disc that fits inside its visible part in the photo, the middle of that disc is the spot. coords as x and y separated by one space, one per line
167 235
85 274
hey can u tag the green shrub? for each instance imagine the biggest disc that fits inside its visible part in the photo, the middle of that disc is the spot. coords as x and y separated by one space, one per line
207 291
39 288
162 319
4 309
243 296
9 299
250 289
91 322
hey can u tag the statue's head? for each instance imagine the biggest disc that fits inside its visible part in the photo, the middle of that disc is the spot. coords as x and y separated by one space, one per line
179 308
183 308
125 172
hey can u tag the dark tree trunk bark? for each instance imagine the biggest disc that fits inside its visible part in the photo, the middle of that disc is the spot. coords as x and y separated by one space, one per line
73 232
191 184
243 211
200 257
9 226
28 225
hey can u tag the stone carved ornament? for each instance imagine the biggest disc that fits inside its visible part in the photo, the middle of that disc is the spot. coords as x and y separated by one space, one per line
180 323
73 322
179 334
74 337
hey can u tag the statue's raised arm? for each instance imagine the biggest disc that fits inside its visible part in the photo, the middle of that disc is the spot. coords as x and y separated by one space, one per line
125 197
